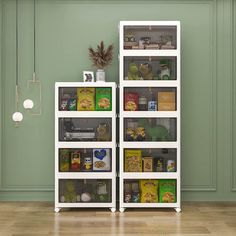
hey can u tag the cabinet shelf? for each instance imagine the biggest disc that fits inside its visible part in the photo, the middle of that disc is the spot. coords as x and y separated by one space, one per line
85 175
149 144
150 175
150 53
143 114
75 114
149 83
91 144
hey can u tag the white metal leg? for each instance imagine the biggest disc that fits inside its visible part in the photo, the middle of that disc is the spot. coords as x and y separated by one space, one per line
113 209
57 209
122 209
178 209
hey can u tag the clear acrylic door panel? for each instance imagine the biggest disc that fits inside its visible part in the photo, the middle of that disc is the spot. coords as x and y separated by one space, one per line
85 160
84 190
85 99
150 129
150 37
150 68
150 160
85 129
150 191
143 99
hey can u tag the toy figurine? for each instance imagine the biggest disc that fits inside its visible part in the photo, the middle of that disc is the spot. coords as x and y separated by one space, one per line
103 132
164 72
87 164
146 71
133 73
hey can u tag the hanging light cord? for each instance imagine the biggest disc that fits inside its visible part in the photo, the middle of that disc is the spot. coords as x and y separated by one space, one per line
17 62
34 73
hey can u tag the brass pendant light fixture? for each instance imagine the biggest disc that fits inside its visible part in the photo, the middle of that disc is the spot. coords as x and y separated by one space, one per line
28 103
17 116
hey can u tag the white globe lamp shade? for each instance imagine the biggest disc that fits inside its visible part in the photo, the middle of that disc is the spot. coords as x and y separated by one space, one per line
28 104
17 117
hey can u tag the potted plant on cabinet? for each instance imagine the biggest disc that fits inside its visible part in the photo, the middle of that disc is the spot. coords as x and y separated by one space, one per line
101 58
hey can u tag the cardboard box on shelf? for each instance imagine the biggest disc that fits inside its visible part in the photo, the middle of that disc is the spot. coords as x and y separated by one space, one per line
166 97
166 106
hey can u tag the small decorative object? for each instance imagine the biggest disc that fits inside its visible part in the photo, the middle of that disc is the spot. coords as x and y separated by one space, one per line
146 71
86 197
101 58
133 72
166 41
88 76
164 72
131 102
101 160
103 132
170 167
160 164
144 41
103 99
87 163
130 41
140 134
70 193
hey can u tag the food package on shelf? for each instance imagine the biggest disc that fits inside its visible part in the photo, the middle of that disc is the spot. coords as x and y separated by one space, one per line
148 189
101 160
167 190
103 99
133 161
86 98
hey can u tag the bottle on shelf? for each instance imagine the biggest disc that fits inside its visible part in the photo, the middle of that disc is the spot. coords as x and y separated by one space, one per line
142 103
152 102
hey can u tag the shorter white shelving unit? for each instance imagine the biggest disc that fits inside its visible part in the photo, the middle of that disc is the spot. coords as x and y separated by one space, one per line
77 184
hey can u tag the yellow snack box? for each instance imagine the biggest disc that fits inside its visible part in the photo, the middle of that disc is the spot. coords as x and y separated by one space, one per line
86 97
133 161
148 189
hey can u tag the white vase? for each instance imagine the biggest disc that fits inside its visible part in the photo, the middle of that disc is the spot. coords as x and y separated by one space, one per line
100 75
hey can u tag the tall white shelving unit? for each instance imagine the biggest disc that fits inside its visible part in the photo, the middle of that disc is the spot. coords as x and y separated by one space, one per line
61 144
166 46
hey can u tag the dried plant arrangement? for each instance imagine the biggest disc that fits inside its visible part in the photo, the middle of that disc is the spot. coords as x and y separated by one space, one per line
101 57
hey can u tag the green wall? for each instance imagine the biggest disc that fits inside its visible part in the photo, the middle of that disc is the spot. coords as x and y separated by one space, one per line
65 30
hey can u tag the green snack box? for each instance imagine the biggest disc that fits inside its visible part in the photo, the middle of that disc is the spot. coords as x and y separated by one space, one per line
103 99
167 190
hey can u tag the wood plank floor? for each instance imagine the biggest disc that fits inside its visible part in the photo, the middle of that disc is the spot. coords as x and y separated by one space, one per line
39 219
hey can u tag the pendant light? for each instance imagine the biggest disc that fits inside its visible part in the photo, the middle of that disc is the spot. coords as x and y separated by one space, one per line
17 116
28 103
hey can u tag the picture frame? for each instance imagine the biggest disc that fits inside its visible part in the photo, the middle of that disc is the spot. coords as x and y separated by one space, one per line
88 76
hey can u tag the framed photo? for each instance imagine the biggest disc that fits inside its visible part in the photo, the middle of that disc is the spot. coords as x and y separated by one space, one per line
88 76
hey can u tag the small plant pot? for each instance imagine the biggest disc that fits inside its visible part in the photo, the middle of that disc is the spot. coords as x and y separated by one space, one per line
100 75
